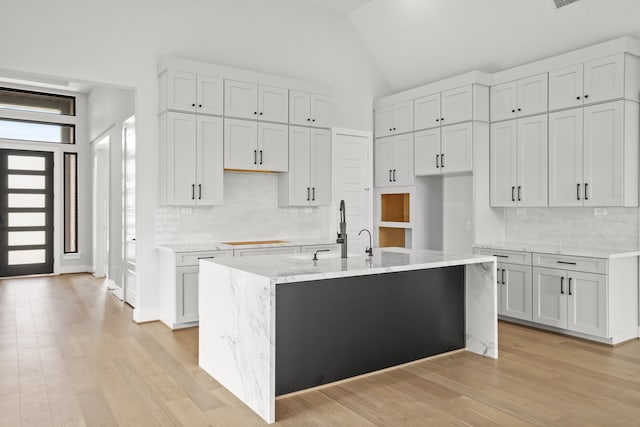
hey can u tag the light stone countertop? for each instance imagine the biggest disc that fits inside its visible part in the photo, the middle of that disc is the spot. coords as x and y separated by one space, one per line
301 268
221 246
607 253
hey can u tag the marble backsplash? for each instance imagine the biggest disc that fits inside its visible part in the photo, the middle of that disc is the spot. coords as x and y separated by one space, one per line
250 212
574 227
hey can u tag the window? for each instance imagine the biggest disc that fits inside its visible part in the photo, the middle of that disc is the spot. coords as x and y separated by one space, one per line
37 102
70 203
37 131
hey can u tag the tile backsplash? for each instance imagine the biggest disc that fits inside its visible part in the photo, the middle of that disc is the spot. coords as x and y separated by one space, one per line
250 212
574 227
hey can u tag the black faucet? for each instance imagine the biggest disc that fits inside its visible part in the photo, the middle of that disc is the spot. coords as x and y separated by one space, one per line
342 234
370 249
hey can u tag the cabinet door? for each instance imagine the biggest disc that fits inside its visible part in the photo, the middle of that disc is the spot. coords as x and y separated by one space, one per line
273 147
516 291
457 105
532 95
383 164
566 87
457 148
384 121
187 294
210 164
240 99
210 95
180 158
320 111
403 160
566 158
499 268
550 297
299 165
604 154
427 152
320 167
273 104
503 165
240 144
426 112
503 101
403 117
181 91
532 161
604 79
299 108
587 303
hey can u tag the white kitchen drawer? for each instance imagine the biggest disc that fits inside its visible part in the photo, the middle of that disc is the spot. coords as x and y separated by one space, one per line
192 258
571 263
312 248
511 257
267 251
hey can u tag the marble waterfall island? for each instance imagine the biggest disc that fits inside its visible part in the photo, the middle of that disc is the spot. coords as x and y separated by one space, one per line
276 324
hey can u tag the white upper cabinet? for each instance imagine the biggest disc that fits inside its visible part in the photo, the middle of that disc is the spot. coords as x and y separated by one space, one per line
394 161
395 119
210 160
426 112
566 157
457 105
566 87
503 163
524 97
592 82
604 79
251 101
308 182
249 145
273 104
457 148
209 95
191 92
383 161
309 109
427 152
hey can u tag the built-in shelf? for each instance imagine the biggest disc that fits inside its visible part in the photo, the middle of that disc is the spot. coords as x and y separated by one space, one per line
394 224
395 207
394 237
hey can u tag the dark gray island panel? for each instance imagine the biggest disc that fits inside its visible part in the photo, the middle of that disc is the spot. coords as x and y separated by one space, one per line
328 330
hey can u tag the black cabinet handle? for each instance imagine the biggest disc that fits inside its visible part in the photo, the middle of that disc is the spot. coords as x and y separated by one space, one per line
193 105
308 194
390 129
390 175
313 120
199 191
193 191
441 160
562 285
260 112
519 109
503 277
578 98
437 120
513 111
310 120
393 128
570 293
586 96
437 158
255 157
313 192
566 262
578 191
501 256
394 175
260 156
255 113
519 193
442 119
513 197
586 191
199 105
206 257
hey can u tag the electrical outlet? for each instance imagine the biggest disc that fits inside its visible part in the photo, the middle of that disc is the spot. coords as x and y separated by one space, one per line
600 211
521 211
186 211
468 225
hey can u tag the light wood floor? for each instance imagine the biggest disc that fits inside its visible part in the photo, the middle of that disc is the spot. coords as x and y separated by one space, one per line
70 355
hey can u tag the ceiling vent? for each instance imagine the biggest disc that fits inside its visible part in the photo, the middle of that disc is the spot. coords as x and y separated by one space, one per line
561 3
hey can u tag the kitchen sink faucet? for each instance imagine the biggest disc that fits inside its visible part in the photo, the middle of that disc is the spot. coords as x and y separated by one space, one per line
342 234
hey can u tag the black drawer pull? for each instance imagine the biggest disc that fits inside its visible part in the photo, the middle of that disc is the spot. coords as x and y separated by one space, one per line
206 257
566 262
501 256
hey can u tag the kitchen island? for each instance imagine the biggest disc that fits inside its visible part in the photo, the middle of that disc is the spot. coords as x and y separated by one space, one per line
272 325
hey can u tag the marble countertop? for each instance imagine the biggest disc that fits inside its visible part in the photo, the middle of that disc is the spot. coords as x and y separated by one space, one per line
221 246
300 267
608 253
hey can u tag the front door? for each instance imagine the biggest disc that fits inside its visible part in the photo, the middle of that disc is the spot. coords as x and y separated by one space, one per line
26 212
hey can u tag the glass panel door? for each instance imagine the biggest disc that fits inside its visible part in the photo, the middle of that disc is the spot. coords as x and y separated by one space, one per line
26 212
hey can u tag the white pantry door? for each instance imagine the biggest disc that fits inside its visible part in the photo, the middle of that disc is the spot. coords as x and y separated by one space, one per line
352 164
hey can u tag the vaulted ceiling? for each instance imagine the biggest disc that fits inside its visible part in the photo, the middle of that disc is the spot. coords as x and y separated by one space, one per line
419 41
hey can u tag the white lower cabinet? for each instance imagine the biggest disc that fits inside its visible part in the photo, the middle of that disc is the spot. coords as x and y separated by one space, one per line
571 300
514 293
187 294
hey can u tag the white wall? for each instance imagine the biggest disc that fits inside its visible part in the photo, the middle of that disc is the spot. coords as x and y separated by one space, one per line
119 42
108 108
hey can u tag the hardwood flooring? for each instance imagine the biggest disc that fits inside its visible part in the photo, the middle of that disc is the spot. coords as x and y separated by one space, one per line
71 356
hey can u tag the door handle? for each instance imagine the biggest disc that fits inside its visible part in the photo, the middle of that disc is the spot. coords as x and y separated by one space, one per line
313 194
255 157
390 174
562 285
503 276
308 194
437 158
394 175
513 197
578 191
586 191
570 286
199 191
442 159
193 191
260 156
519 193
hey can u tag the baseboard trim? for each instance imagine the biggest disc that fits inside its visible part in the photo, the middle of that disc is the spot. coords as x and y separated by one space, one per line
111 285
533 325
143 316
117 291
74 269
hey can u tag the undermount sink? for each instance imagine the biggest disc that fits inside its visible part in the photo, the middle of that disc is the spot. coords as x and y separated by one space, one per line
256 242
322 255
